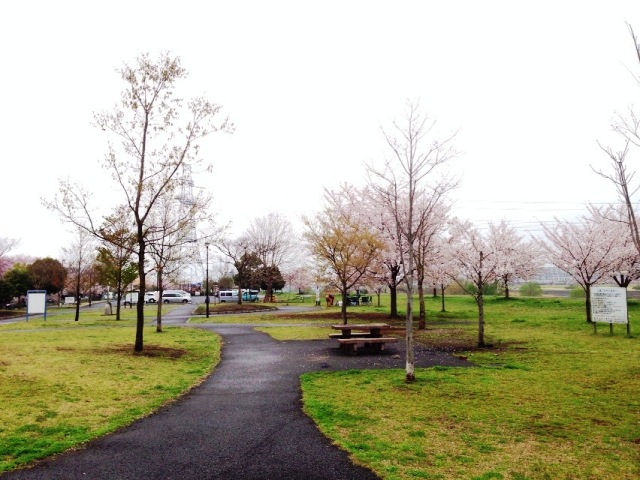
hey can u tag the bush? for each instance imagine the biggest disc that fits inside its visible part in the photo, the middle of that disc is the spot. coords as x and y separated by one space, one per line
531 289
469 287
577 292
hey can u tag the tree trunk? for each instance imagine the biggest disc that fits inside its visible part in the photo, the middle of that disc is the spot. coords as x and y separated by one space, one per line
393 290
118 292
506 290
588 303
343 309
410 375
422 318
393 293
139 345
159 309
78 294
442 291
480 302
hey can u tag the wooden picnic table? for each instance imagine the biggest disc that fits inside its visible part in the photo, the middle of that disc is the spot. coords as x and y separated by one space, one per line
368 334
372 329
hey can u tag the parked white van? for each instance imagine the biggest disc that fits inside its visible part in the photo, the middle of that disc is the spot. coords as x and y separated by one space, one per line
228 296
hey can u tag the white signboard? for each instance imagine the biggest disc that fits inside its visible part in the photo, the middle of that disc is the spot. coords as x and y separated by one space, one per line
609 305
36 302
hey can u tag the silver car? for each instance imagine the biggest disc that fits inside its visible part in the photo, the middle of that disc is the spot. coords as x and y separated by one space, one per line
175 297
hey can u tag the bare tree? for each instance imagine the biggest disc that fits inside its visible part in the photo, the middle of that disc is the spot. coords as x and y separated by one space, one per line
170 237
622 177
407 186
79 257
273 240
159 134
234 250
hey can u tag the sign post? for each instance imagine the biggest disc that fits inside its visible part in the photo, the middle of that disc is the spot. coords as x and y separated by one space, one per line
36 303
609 305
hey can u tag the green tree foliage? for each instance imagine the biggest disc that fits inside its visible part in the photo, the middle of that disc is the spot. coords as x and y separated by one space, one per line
225 283
487 289
19 279
531 289
48 274
249 271
115 269
271 277
6 292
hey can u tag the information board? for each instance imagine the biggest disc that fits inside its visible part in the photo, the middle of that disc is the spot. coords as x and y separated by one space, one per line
36 303
609 305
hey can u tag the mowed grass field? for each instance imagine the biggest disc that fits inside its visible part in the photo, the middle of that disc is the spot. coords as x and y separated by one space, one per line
63 383
548 399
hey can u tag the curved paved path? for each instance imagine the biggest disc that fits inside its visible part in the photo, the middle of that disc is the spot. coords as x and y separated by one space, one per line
245 421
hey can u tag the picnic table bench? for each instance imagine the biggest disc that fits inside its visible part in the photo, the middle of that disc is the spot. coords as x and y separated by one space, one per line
368 335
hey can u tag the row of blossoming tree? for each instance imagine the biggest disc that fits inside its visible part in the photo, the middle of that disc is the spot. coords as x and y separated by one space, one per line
398 229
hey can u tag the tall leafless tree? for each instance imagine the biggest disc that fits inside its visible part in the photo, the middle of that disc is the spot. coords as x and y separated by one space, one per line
621 174
79 257
274 241
409 187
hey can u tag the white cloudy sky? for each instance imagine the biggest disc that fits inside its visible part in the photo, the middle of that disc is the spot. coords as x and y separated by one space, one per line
529 86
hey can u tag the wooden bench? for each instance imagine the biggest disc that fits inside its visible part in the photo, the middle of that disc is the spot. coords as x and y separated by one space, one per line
349 345
353 335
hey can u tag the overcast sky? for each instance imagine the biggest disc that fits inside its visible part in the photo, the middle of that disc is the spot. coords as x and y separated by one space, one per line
529 86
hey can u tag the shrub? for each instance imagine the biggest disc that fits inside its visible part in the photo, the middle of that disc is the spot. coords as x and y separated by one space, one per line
531 289
577 292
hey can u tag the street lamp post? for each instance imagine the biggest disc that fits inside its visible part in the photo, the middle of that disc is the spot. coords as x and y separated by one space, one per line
206 298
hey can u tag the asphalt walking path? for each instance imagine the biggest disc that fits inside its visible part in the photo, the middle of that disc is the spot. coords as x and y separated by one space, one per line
244 422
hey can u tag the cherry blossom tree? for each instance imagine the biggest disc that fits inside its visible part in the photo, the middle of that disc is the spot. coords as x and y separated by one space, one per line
6 245
589 249
438 271
387 268
339 239
408 187
474 260
79 257
515 258
427 252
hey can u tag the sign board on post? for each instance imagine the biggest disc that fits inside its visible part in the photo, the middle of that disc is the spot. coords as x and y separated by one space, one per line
609 305
36 303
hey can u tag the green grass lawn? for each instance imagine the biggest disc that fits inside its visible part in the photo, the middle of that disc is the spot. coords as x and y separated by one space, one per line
548 400
63 383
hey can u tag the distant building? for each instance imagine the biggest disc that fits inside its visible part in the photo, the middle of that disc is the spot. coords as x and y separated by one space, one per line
552 275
